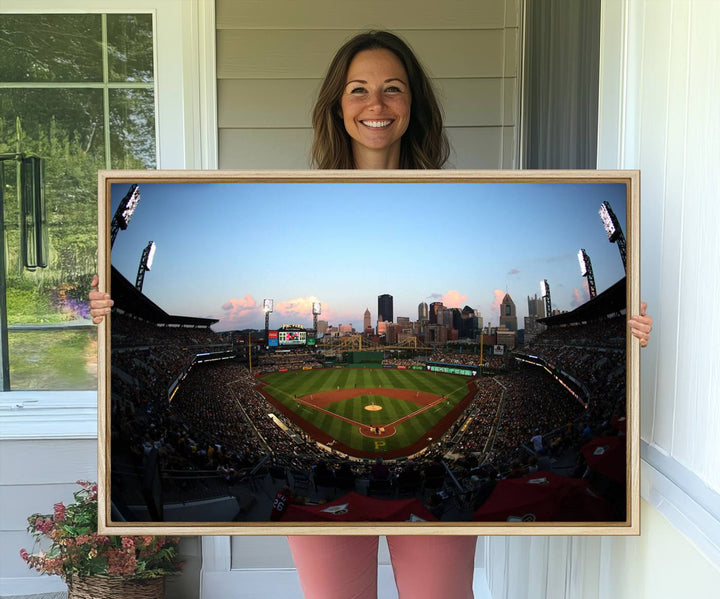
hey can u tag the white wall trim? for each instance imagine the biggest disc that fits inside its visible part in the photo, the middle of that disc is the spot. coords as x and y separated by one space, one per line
689 505
207 79
33 585
48 415
611 84
216 552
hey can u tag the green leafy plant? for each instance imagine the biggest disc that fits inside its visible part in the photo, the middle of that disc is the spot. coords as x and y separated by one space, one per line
77 550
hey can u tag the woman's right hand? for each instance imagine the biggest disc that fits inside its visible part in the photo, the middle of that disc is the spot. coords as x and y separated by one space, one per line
100 302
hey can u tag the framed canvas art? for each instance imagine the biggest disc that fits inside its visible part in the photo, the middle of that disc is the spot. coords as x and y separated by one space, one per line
369 352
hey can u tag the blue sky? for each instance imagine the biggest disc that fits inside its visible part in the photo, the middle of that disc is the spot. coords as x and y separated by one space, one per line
223 248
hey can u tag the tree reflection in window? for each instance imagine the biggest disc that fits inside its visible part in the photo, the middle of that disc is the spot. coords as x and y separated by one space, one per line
77 90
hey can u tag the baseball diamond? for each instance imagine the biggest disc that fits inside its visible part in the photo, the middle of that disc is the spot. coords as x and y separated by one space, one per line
366 412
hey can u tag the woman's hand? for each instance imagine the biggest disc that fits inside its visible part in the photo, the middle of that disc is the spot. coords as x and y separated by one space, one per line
100 302
641 325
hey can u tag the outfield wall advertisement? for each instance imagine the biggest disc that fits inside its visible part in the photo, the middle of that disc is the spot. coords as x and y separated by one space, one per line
453 369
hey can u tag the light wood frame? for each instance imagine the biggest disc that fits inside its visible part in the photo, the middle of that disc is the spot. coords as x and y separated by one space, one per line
630 526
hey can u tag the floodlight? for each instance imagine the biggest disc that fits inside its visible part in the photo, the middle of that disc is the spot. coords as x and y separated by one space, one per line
127 206
582 260
124 212
586 271
610 221
151 255
316 308
268 305
545 293
614 232
145 263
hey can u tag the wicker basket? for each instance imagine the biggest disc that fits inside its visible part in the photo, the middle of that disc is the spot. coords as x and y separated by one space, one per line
116 587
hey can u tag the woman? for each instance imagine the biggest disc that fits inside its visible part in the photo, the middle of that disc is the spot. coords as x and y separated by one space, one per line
377 110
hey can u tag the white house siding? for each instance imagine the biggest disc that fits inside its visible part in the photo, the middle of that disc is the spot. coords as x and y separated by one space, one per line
271 58
36 473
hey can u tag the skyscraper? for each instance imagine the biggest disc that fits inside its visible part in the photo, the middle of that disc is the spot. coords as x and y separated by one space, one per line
422 311
435 307
536 310
366 320
536 307
385 307
508 316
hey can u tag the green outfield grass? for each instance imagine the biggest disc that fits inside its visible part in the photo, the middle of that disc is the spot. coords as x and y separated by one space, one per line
286 386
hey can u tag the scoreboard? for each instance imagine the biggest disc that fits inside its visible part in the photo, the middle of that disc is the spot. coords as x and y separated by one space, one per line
292 337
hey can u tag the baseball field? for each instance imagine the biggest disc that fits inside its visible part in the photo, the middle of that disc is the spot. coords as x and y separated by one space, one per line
369 411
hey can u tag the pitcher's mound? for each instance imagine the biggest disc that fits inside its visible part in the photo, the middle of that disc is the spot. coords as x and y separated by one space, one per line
373 408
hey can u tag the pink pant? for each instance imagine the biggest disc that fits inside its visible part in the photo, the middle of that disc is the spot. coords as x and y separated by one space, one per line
345 567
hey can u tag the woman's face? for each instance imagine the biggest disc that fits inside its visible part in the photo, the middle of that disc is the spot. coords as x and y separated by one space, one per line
375 106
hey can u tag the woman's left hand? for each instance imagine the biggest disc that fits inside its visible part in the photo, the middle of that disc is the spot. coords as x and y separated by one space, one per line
641 325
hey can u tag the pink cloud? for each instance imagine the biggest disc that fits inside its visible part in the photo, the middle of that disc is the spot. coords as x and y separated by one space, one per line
580 297
236 308
453 299
240 312
499 294
513 271
299 308
577 298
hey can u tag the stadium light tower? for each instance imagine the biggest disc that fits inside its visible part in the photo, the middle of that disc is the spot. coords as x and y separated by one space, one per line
316 310
613 230
587 271
545 293
146 261
267 308
124 212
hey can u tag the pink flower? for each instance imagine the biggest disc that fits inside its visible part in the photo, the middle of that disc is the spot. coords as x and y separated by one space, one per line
121 562
59 512
43 526
53 565
25 555
128 543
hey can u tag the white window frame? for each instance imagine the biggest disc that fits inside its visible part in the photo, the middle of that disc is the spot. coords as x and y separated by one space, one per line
186 136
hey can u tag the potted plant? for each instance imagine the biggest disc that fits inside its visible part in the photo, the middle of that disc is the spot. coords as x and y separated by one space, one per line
94 565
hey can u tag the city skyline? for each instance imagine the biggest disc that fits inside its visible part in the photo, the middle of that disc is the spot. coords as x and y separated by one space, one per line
224 248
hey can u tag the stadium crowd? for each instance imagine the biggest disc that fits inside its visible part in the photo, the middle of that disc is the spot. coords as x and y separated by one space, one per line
218 425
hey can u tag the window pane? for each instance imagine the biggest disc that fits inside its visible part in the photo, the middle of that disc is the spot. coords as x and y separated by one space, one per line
52 343
132 128
65 128
49 117
54 359
130 47
38 48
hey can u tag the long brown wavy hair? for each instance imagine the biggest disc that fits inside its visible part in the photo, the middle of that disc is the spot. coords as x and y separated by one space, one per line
424 144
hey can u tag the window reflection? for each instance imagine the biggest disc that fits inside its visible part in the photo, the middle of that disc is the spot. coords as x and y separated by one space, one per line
61 117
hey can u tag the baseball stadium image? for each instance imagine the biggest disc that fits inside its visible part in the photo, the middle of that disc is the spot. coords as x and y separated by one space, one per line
274 373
